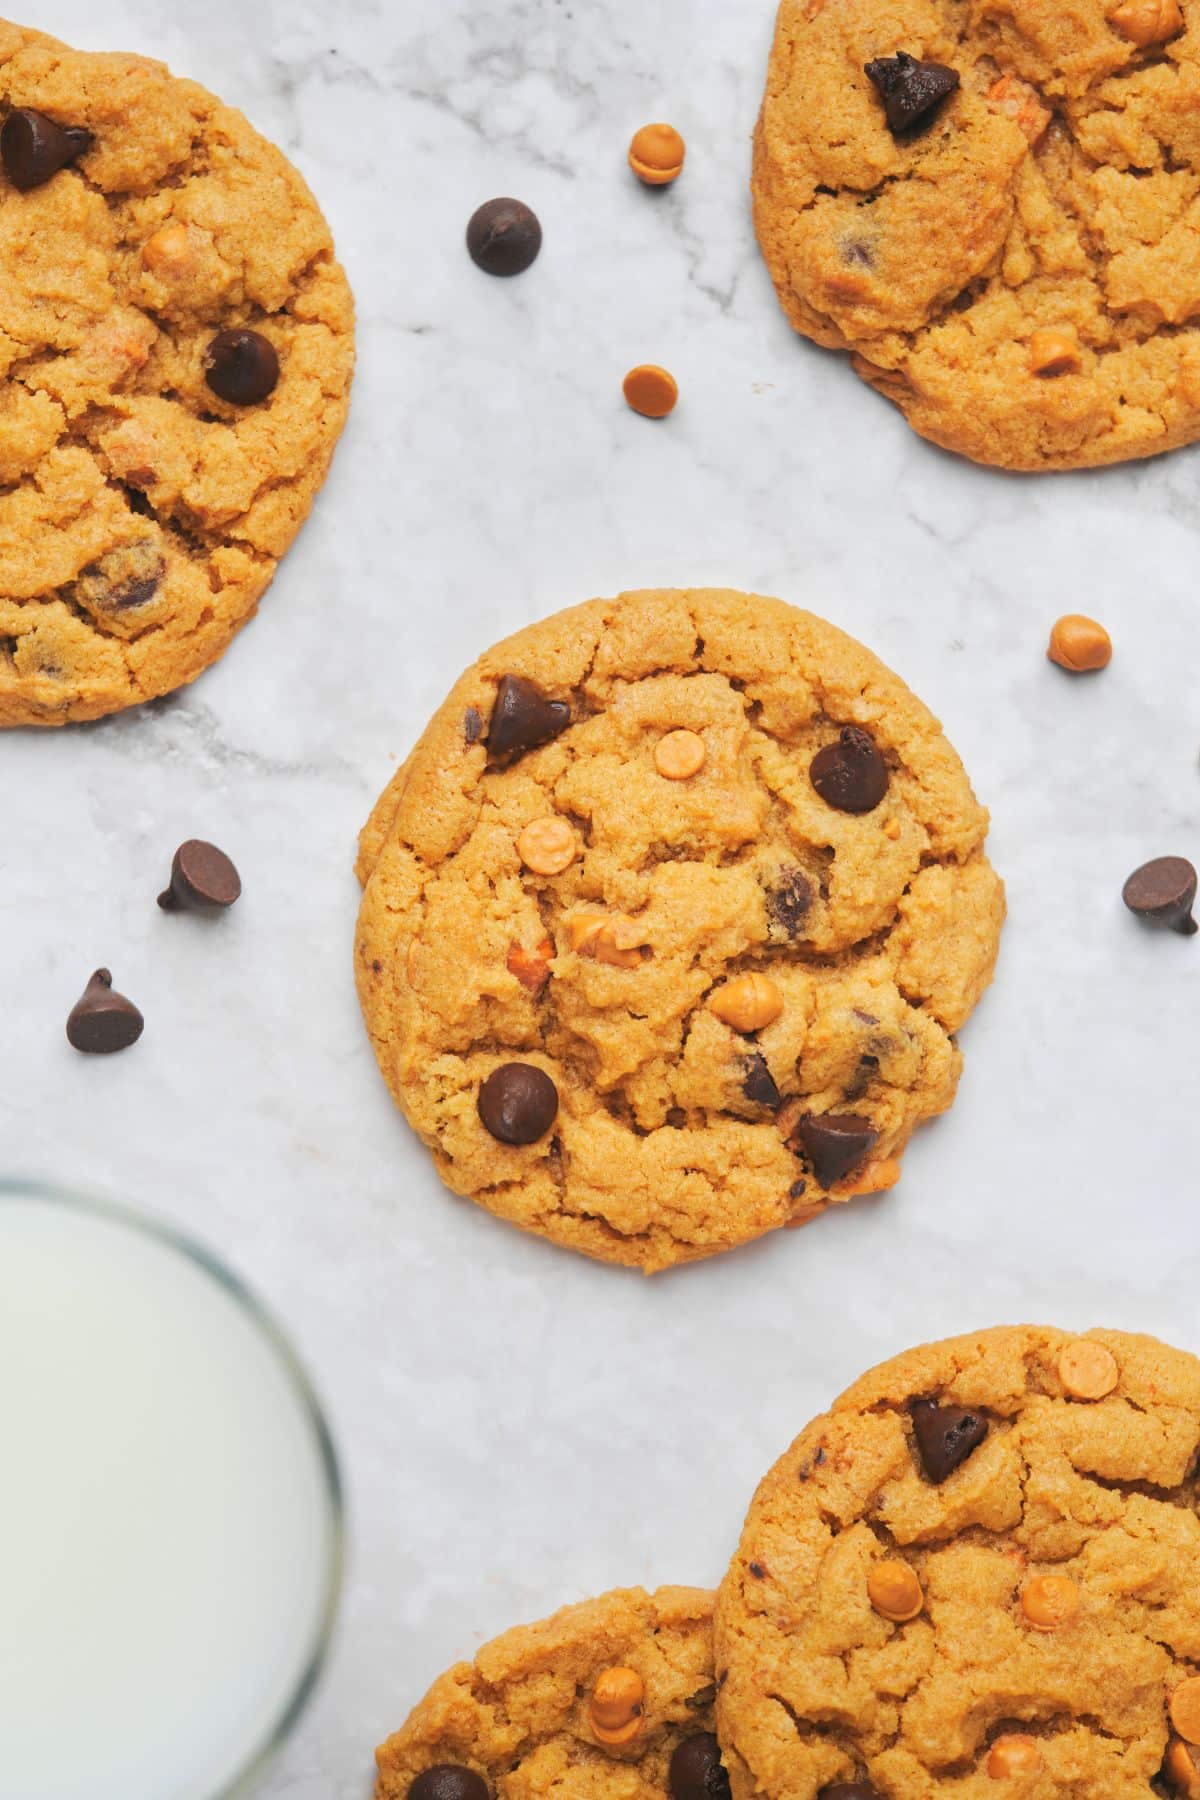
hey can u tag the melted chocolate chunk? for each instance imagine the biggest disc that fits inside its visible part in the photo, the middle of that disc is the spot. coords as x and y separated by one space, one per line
911 91
33 147
696 1771
758 1084
946 1436
789 901
850 774
522 718
835 1143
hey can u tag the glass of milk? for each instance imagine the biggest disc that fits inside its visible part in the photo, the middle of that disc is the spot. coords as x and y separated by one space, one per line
170 1513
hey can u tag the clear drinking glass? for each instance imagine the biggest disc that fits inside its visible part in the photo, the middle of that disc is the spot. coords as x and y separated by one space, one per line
171 1522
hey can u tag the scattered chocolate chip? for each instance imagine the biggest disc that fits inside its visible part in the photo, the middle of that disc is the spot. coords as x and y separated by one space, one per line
503 237
789 901
121 579
448 1781
758 1084
522 718
946 1436
857 254
834 1143
1163 892
677 1117
866 1017
798 1190
102 1020
202 877
758 1572
703 1698
696 1771
33 147
472 725
241 366
850 774
911 91
849 1790
518 1103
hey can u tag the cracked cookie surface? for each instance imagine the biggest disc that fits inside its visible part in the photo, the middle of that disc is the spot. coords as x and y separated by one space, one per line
521 1715
744 996
1046 1506
1022 275
142 515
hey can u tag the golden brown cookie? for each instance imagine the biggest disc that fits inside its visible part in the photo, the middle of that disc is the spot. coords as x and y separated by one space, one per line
669 921
1018 266
978 1566
611 1699
176 346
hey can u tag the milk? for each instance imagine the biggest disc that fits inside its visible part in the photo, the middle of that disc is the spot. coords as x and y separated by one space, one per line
168 1518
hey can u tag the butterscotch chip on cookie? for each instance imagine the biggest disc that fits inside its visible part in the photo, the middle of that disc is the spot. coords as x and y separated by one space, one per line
611 1699
176 346
993 208
651 1004
1040 1491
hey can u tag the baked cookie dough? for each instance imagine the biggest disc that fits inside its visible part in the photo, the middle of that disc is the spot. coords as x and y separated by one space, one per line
669 920
1019 269
611 1699
176 346
979 1565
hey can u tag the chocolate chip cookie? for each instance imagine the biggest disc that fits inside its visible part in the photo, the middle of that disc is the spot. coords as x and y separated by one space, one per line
979 1565
994 208
669 922
176 346
611 1699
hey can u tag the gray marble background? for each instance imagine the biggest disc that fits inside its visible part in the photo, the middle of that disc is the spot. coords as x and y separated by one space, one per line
520 1428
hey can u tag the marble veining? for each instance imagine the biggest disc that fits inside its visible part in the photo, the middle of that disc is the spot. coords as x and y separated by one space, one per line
520 1428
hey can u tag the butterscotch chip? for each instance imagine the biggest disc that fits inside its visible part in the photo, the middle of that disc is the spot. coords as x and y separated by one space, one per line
894 1590
747 1002
1079 644
1054 350
548 846
651 390
1088 1369
1184 1707
169 252
1181 1766
616 1706
876 1178
1147 21
679 754
656 154
1049 1601
1014 1754
609 938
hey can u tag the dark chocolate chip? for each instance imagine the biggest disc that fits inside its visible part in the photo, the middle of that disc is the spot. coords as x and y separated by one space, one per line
758 1084
797 1189
201 877
122 579
835 1143
703 1698
1163 892
696 1771
757 1570
33 147
946 1436
518 1103
911 91
857 254
102 1020
503 237
472 725
850 774
849 1790
522 718
448 1781
241 366
789 900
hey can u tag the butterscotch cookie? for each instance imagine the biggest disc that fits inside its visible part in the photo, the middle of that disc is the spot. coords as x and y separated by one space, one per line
978 1566
669 921
608 1700
993 205
176 345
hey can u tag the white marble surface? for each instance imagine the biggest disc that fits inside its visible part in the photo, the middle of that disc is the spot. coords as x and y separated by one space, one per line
520 1428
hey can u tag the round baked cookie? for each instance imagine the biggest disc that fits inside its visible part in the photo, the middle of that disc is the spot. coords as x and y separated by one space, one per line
176 346
611 1699
669 921
978 1567
1017 262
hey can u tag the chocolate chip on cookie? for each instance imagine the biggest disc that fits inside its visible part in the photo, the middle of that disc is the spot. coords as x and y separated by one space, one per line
1163 893
121 580
102 1020
202 879
696 1771
758 1084
522 719
850 774
33 147
911 91
789 902
518 1103
503 237
449 1781
835 1143
241 367
946 1436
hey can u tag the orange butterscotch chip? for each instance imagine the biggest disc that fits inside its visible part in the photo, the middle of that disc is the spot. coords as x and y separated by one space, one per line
169 251
876 1178
1049 1601
608 937
548 846
747 1002
1147 21
616 1706
1087 1369
656 154
531 967
1054 350
894 1590
679 755
1182 1769
651 391
1014 1754
1184 1708
1079 644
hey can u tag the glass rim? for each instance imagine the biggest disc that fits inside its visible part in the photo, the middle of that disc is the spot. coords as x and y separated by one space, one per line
210 1264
